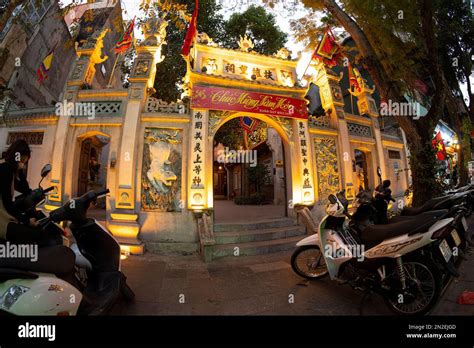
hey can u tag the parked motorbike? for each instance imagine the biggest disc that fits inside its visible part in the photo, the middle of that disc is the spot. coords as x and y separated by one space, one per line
459 206
386 259
97 259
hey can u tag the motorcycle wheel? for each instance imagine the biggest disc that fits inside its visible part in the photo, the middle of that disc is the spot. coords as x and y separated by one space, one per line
423 280
308 262
468 211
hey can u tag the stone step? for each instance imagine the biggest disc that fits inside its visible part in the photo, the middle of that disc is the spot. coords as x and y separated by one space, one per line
254 225
259 235
254 248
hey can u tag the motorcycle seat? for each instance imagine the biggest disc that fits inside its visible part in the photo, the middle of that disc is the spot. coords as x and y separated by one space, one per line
433 213
410 211
375 234
11 273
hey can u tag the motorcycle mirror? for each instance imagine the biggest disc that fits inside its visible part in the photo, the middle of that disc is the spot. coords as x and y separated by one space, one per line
332 199
379 172
46 170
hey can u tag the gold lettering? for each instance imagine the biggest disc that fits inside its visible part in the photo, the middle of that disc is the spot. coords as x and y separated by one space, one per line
247 101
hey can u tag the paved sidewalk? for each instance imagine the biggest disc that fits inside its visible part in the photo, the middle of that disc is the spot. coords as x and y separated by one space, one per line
263 285
448 304
256 285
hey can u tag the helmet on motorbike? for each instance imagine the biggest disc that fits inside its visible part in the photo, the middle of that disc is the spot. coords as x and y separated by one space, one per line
335 207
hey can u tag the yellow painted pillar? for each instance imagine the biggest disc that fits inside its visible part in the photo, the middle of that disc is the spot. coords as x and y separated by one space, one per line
83 72
302 175
123 222
200 165
333 102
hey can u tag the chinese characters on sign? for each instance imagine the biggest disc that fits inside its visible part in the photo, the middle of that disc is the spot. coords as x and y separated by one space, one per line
304 154
197 143
255 73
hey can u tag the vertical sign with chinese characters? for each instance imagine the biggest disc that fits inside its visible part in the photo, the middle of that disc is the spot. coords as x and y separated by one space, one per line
197 174
307 189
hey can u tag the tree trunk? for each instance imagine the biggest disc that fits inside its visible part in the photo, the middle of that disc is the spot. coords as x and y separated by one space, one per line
422 164
467 74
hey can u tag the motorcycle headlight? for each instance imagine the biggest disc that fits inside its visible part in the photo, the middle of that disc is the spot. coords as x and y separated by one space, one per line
12 295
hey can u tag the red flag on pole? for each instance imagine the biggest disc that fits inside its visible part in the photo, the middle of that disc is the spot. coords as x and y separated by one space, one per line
353 83
191 33
328 50
126 40
438 145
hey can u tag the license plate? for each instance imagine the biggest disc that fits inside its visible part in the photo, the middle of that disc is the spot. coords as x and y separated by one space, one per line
445 250
464 224
456 238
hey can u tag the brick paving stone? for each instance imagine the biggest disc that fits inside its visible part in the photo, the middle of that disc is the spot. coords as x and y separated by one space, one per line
256 285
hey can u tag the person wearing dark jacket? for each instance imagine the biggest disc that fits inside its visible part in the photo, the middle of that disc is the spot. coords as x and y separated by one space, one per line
56 259
383 196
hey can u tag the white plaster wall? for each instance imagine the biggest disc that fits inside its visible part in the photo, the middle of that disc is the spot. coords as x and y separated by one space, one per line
41 154
399 185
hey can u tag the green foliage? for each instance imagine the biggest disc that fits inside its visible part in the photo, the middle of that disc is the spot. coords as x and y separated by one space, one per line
231 135
456 39
171 71
255 199
393 28
260 26
258 176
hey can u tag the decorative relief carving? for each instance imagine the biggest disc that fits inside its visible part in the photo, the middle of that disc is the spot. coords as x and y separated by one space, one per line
136 93
32 138
161 173
154 30
204 39
215 120
246 44
283 53
327 167
158 105
285 125
142 68
323 121
77 73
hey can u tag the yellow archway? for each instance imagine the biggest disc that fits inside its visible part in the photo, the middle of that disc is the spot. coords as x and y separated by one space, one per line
262 117
92 133
289 167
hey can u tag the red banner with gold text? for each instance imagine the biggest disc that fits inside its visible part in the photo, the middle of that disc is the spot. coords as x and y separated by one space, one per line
216 98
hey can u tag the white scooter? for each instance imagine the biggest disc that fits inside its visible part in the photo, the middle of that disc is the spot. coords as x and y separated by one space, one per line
387 259
97 257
